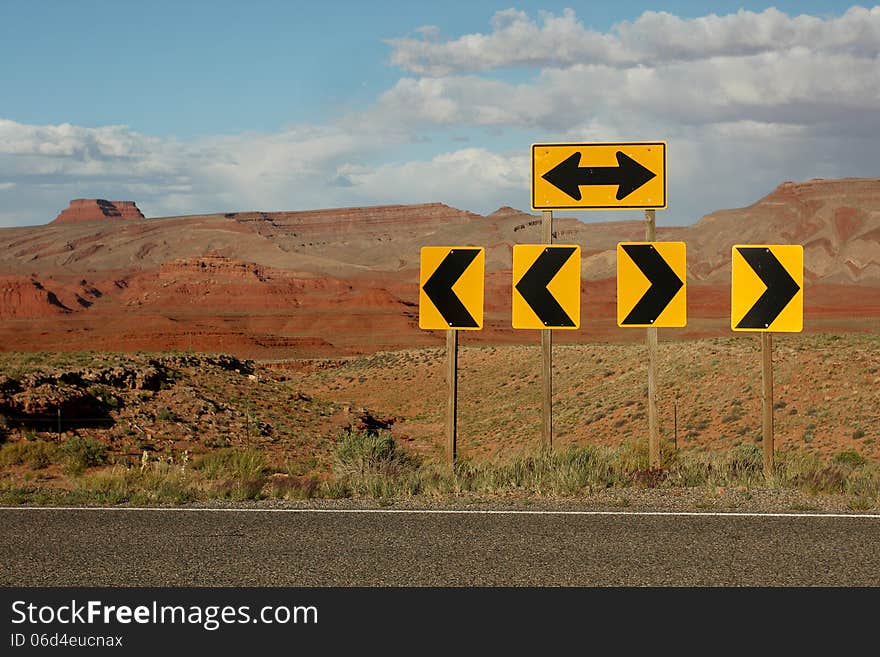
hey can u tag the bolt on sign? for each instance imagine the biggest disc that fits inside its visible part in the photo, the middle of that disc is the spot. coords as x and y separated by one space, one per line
546 286
767 288
451 287
599 176
651 284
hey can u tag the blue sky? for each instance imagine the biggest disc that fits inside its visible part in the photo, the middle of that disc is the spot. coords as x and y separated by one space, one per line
191 107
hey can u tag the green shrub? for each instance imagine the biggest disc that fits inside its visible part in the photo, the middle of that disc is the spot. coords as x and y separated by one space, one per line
37 454
159 484
166 414
81 453
745 458
233 464
849 457
359 452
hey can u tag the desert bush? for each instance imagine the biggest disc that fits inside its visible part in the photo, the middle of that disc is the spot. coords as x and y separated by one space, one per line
848 473
293 488
159 484
229 463
744 459
81 453
239 490
362 452
849 457
37 454
372 464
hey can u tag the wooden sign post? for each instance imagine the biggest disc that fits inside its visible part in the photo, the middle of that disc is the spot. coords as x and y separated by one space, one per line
452 391
653 419
767 296
767 400
547 350
451 298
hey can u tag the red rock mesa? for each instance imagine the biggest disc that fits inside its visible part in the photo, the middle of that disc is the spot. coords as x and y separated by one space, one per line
82 210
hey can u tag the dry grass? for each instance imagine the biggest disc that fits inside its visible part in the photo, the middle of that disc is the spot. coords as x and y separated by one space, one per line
224 435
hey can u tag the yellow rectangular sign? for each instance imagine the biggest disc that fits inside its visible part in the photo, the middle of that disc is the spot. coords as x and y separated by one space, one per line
599 176
651 284
546 286
451 287
767 288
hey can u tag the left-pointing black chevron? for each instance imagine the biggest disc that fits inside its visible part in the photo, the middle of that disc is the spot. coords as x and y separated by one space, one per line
533 286
781 287
439 288
665 284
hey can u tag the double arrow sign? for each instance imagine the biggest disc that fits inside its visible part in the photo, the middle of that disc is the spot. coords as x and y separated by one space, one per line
766 287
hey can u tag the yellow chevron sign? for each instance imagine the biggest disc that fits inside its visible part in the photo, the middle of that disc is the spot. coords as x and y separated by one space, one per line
767 288
651 284
546 286
451 287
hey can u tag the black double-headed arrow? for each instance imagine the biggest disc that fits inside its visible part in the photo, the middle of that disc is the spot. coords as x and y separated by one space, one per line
533 286
781 287
665 284
439 288
628 175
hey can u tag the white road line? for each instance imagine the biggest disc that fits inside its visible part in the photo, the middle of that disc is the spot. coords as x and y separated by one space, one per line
487 512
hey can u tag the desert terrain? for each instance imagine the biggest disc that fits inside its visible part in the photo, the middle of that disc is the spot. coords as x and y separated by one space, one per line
247 346
274 285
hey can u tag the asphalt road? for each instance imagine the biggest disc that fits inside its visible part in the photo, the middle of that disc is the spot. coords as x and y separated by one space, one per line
264 548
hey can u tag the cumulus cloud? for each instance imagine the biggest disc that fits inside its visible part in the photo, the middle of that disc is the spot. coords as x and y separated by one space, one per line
258 170
516 40
797 86
468 178
300 167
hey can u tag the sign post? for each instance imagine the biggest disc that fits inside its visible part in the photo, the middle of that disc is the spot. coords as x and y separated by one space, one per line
600 176
451 282
662 266
766 296
767 401
452 395
547 351
653 420
546 296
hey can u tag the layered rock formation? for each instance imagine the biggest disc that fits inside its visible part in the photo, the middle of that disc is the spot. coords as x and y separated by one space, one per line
82 210
341 281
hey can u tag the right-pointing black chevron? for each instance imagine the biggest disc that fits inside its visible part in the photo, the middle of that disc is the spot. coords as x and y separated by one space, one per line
439 288
665 284
781 287
533 286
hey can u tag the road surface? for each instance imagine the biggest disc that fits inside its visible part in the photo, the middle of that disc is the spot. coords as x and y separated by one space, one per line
113 547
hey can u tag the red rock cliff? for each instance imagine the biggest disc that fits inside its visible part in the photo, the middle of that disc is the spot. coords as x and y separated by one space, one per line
82 210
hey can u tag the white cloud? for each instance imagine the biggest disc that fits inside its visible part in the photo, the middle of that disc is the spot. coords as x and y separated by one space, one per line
289 169
466 178
797 86
515 40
